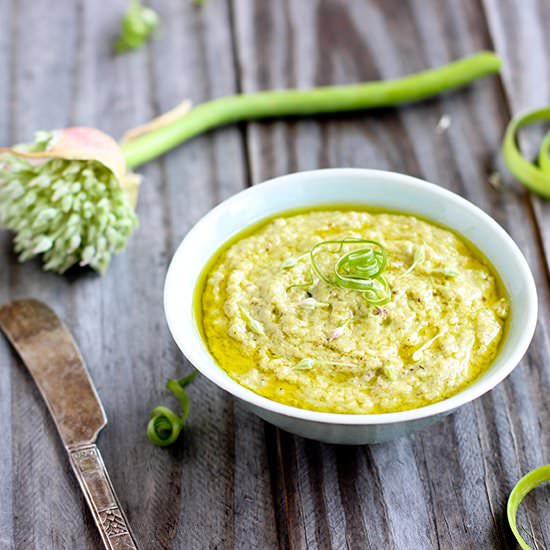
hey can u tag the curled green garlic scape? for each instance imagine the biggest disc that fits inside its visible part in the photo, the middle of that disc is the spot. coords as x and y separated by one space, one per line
70 195
360 270
535 177
165 425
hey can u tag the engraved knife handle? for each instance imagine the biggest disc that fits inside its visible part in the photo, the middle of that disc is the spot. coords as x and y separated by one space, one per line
101 498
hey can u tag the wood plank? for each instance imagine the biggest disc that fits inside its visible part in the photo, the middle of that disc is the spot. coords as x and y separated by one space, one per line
214 490
6 481
225 484
445 487
520 36
39 77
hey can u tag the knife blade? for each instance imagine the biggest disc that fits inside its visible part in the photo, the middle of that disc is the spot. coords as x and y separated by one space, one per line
51 355
54 361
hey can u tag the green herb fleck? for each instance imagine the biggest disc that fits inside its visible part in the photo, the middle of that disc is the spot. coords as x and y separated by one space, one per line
291 262
287 264
312 303
338 331
389 372
418 258
418 353
308 363
447 271
254 325
137 26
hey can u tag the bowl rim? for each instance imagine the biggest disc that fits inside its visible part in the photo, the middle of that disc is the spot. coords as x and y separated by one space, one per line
215 373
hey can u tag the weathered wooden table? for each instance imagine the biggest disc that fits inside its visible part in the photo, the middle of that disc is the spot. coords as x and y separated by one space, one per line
237 482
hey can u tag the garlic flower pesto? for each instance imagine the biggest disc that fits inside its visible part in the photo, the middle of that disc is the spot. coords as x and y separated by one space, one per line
276 322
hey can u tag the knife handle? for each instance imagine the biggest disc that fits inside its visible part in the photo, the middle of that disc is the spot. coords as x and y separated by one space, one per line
101 498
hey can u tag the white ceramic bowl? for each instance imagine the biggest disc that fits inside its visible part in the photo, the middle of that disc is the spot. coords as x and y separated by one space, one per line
361 187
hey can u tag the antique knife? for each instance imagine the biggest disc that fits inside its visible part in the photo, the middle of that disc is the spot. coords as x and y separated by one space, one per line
51 355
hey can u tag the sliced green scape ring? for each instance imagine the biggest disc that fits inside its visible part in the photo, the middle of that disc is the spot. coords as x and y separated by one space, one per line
535 177
525 485
359 270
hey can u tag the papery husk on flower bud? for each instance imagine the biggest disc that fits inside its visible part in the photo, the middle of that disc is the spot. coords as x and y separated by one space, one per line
81 143
180 110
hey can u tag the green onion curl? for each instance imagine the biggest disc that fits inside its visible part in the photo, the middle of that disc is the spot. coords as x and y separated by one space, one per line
165 426
359 270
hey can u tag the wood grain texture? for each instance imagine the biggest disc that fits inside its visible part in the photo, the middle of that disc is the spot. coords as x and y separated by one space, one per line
445 487
186 498
6 363
38 95
236 482
518 32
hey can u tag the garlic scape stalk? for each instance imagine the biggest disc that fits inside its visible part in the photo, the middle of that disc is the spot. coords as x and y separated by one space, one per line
70 195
